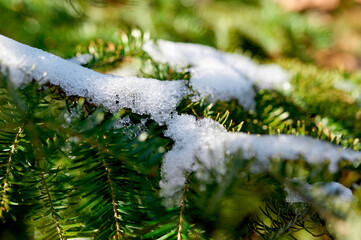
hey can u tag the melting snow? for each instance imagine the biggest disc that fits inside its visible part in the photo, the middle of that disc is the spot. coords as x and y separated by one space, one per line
222 75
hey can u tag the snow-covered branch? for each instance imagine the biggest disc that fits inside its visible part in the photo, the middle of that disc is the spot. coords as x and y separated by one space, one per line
221 75
143 96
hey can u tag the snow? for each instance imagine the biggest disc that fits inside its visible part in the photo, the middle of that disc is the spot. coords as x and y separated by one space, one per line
335 189
191 141
289 147
222 76
200 145
299 191
203 145
81 59
144 96
130 129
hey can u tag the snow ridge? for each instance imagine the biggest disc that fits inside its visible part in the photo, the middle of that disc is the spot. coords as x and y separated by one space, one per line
143 96
223 76
331 193
202 145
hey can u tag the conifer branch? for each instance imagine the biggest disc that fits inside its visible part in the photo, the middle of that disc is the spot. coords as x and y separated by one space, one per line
118 235
39 160
53 213
6 180
179 233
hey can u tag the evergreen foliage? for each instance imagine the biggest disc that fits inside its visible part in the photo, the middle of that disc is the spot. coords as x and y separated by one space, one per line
70 169
69 172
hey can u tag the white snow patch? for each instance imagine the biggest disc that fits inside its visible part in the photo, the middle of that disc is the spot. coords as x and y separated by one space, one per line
222 76
192 139
331 194
200 145
334 189
81 59
143 96
264 76
293 195
130 129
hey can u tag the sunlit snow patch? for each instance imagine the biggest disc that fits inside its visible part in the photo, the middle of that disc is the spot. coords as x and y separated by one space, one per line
143 96
201 145
81 59
331 195
220 75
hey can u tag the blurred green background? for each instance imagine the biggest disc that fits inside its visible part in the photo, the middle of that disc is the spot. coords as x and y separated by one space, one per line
265 29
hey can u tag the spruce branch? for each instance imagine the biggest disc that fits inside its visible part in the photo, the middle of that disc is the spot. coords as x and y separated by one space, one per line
118 234
108 182
6 183
54 215
42 164
182 207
